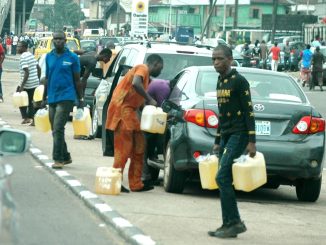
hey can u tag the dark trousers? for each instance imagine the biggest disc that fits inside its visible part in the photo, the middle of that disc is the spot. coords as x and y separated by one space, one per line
14 49
0 83
59 114
28 111
287 63
231 147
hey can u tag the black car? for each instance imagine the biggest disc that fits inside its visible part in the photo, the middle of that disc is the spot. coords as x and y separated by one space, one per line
290 131
88 45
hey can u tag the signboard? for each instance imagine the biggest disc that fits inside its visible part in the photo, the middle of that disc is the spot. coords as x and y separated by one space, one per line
139 17
203 2
287 22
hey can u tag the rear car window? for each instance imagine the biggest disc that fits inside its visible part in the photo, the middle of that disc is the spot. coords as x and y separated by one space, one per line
262 87
71 44
173 63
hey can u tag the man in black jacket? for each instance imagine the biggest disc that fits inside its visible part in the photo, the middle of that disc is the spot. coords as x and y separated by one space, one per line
235 134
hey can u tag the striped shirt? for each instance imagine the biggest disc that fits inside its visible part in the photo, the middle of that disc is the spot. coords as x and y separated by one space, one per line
27 60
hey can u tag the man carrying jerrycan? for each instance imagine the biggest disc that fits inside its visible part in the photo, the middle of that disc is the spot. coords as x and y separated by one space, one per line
62 88
129 142
235 134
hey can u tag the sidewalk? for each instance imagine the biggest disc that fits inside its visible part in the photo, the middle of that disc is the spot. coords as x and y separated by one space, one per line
79 176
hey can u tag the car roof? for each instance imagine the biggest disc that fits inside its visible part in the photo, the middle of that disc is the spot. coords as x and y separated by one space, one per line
171 47
50 38
241 69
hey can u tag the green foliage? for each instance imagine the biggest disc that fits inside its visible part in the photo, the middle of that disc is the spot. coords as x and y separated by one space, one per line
62 13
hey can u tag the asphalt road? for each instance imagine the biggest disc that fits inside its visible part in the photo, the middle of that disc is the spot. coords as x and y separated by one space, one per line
49 213
271 216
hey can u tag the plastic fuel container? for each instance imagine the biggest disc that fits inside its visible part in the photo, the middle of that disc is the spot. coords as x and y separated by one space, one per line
42 121
81 121
20 99
207 172
153 120
38 93
108 181
249 173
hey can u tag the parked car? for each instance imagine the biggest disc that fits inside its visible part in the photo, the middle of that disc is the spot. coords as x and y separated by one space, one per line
88 45
102 42
290 131
175 57
12 142
45 45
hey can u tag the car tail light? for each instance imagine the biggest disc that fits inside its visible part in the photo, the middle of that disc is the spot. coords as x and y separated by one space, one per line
203 118
309 125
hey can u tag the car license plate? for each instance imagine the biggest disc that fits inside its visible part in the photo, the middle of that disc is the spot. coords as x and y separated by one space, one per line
263 127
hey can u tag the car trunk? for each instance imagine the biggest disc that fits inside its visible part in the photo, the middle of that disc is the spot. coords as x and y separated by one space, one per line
275 121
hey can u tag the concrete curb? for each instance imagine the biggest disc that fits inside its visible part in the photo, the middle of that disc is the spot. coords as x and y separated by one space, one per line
110 217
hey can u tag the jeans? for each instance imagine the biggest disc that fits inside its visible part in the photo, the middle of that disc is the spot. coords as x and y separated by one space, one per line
0 83
28 111
231 147
287 63
59 114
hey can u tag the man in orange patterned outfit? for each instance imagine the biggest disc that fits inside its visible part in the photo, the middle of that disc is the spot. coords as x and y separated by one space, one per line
129 142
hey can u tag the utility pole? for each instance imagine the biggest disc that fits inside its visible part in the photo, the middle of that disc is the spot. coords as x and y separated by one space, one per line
235 19
118 16
13 16
208 21
275 5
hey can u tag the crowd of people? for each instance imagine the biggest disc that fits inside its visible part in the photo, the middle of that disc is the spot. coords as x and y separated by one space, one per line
10 41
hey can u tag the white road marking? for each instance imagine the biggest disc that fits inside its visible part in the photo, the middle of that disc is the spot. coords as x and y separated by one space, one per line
35 150
144 240
73 182
43 157
87 194
121 222
62 173
103 207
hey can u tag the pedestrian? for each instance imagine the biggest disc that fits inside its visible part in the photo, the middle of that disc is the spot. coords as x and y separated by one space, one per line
318 60
256 53
306 57
316 42
159 90
14 44
263 53
62 88
114 51
30 73
2 57
8 44
287 56
275 51
246 54
76 35
129 95
88 63
235 134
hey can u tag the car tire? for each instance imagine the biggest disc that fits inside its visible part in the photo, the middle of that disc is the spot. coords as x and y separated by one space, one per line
308 190
173 180
96 129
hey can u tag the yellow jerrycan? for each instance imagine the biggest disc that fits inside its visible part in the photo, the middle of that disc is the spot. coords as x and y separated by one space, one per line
20 99
249 173
153 120
108 180
207 171
42 121
81 121
38 93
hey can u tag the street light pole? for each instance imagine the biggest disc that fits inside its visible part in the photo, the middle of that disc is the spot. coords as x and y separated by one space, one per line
118 16
170 18
224 17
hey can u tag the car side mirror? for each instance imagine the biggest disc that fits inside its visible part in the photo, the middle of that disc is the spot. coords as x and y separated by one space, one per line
13 141
97 72
168 105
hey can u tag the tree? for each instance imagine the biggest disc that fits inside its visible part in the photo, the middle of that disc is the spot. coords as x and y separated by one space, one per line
63 13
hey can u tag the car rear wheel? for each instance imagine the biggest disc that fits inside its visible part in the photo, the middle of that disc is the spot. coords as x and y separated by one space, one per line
173 180
96 129
308 190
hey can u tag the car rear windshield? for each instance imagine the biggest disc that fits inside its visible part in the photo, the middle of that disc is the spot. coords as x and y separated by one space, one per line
71 44
262 86
173 63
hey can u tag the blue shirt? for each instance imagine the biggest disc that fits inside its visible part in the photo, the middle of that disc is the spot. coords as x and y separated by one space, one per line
306 58
60 71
